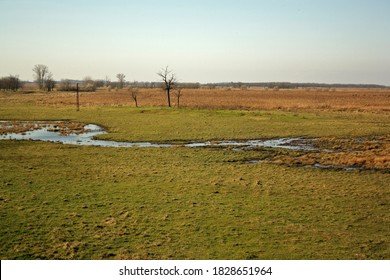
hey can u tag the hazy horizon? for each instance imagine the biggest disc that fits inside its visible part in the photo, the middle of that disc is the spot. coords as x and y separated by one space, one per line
202 41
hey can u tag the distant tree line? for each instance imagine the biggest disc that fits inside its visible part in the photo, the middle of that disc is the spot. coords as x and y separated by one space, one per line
10 83
44 80
88 84
288 85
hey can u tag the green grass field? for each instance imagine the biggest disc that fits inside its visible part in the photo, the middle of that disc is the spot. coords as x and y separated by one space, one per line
74 202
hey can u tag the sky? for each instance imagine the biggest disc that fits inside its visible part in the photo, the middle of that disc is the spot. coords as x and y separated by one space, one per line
327 41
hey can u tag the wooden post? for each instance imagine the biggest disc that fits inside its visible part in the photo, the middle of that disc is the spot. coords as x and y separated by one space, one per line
78 98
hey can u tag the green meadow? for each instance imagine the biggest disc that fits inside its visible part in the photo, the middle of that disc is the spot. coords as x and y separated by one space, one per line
79 202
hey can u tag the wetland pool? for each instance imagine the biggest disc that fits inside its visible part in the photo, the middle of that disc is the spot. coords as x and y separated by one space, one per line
320 153
54 132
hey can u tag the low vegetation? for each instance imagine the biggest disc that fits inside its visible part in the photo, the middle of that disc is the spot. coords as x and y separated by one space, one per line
318 100
76 202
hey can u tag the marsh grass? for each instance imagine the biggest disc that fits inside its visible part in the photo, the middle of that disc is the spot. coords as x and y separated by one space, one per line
65 202
162 124
315 99
74 202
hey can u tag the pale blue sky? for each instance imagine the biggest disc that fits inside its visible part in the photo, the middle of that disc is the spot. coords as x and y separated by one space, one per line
333 41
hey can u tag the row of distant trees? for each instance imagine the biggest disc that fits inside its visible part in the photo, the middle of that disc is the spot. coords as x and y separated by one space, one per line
42 77
10 83
167 77
89 84
44 80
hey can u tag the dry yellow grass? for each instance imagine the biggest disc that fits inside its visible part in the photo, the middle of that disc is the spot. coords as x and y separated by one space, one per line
364 153
369 100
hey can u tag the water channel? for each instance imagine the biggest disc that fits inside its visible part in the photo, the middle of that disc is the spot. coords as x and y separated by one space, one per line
77 134
49 133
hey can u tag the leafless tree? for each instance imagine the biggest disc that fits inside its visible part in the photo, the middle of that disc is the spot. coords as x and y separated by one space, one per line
169 80
88 84
134 92
40 73
107 81
10 83
178 94
65 85
121 79
99 83
49 82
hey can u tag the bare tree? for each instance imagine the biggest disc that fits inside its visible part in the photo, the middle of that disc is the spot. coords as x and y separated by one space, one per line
134 92
65 85
40 73
10 83
107 81
169 80
178 94
49 82
121 79
88 84
99 83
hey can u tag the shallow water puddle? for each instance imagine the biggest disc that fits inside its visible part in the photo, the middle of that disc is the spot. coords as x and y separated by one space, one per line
49 132
319 153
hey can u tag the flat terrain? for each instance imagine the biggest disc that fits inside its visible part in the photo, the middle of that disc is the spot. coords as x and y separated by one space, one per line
341 99
73 202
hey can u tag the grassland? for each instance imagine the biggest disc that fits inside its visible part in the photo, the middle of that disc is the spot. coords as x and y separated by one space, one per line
73 202
342 99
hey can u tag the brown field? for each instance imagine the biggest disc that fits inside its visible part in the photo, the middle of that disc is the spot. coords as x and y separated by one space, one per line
364 100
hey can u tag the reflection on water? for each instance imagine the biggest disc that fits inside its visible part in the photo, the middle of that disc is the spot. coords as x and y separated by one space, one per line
286 143
48 134
86 138
77 134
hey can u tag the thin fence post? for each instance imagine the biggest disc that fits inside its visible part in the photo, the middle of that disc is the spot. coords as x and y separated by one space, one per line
78 98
